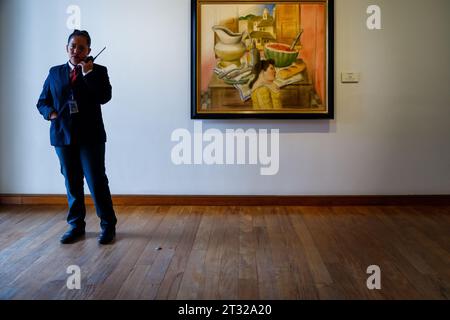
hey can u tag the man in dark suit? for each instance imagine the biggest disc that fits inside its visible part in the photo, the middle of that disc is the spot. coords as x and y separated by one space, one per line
71 100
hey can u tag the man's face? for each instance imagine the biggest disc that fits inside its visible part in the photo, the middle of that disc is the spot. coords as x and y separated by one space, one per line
78 49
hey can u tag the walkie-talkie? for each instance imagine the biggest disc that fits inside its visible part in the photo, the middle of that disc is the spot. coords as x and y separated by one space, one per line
90 58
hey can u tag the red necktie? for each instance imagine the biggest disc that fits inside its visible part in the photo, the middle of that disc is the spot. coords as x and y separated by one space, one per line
74 74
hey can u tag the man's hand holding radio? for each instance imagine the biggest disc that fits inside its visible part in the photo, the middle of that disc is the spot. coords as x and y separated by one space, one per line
87 65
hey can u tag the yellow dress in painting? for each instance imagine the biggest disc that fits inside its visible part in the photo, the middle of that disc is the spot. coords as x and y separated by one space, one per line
266 97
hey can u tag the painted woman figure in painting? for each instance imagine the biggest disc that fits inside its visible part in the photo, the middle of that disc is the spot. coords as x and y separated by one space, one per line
265 93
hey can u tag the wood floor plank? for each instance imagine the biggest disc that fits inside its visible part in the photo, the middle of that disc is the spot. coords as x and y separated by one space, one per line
160 280
375 253
60 257
193 279
20 257
172 222
229 262
97 266
32 226
298 261
168 286
193 276
287 288
267 288
432 251
319 272
248 271
425 261
429 223
180 262
117 284
229 252
107 285
213 257
339 252
397 252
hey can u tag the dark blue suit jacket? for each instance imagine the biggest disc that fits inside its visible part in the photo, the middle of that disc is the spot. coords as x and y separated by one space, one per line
90 92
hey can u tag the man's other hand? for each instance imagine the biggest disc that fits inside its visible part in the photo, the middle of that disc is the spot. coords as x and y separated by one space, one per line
53 115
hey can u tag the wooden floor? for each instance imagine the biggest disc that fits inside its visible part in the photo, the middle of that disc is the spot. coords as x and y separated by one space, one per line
230 253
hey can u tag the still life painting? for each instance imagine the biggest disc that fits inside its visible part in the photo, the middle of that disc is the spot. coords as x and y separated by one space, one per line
262 59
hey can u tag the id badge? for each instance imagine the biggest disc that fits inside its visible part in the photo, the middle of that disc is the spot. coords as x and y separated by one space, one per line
73 106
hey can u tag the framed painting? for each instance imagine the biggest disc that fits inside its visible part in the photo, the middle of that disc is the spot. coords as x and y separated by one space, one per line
262 59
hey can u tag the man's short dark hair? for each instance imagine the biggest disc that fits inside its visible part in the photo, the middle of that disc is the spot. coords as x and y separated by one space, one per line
82 33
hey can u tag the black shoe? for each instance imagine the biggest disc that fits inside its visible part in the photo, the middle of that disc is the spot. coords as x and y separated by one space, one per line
72 235
107 236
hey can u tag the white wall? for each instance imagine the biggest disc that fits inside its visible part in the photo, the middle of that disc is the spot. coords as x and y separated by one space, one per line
390 136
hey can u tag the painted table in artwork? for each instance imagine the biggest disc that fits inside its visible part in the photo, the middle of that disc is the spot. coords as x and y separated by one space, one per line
298 95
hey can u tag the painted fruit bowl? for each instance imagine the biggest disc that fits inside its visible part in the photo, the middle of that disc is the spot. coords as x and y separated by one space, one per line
281 54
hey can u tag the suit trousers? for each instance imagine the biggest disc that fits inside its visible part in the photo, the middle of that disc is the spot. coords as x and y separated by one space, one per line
80 161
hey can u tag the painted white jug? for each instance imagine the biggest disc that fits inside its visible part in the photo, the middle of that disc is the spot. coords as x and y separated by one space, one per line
230 48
